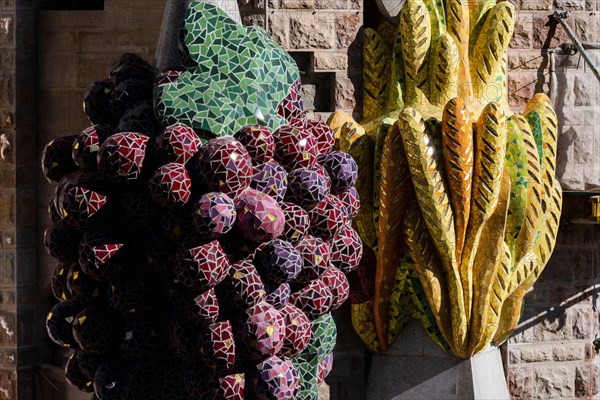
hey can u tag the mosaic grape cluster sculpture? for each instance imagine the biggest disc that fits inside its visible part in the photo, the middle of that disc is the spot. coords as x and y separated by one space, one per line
460 203
200 261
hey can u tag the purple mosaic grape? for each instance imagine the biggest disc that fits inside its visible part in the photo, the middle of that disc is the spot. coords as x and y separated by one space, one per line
273 378
346 250
178 143
350 202
278 295
306 188
319 168
224 165
259 216
323 134
342 170
213 214
170 185
324 368
270 178
258 141
278 261
296 222
57 160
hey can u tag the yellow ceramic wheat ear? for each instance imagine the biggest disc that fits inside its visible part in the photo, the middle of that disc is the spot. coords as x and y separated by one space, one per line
459 194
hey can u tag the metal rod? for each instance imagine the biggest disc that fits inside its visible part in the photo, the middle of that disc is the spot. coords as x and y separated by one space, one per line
553 79
561 18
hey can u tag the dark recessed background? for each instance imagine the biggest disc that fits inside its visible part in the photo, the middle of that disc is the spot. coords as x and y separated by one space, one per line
72 4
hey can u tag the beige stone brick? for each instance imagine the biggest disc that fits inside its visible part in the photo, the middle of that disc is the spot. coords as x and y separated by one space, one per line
331 4
347 26
536 353
297 4
520 383
344 92
544 36
329 61
535 4
279 28
520 88
522 37
569 352
309 31
554 382
569 4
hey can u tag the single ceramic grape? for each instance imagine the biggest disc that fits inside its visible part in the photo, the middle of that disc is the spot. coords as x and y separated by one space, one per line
342 170
111 381
270 178
84 199
76 377
128 294
131 66
94 329
102 253
140 118
243 286
306 188
350 202
231 387
314 299
224 165
327 218
170 185
323 134
258 141
87 144
140 211
62 241
219 346
121 156
346 250
297 330
127 94
178 144
259 216
278 261
315 257
296 222
261 331
57 159
202 308
84 288
292 106
59 322
278 295
295 147
213 214
202 267
338 284
58 282
96 102
140 339
273 378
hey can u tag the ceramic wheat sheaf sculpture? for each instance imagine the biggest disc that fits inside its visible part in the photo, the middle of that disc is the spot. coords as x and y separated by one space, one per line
459 196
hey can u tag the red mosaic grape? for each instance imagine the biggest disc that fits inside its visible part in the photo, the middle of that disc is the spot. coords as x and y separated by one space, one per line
338 284
231 387
314 299
350 202
261 331
178 144
60 320
258 141
295 147
62 241
170 185
102 253
121 156
76 377
296 222
323 134
94 329
224 165
272 379
346 250
202 267
243 287
297 330
315 257
58 282
327 218
218 346
96 102
57 160
87 144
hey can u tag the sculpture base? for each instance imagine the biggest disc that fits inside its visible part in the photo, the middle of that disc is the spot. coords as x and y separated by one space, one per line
416 368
